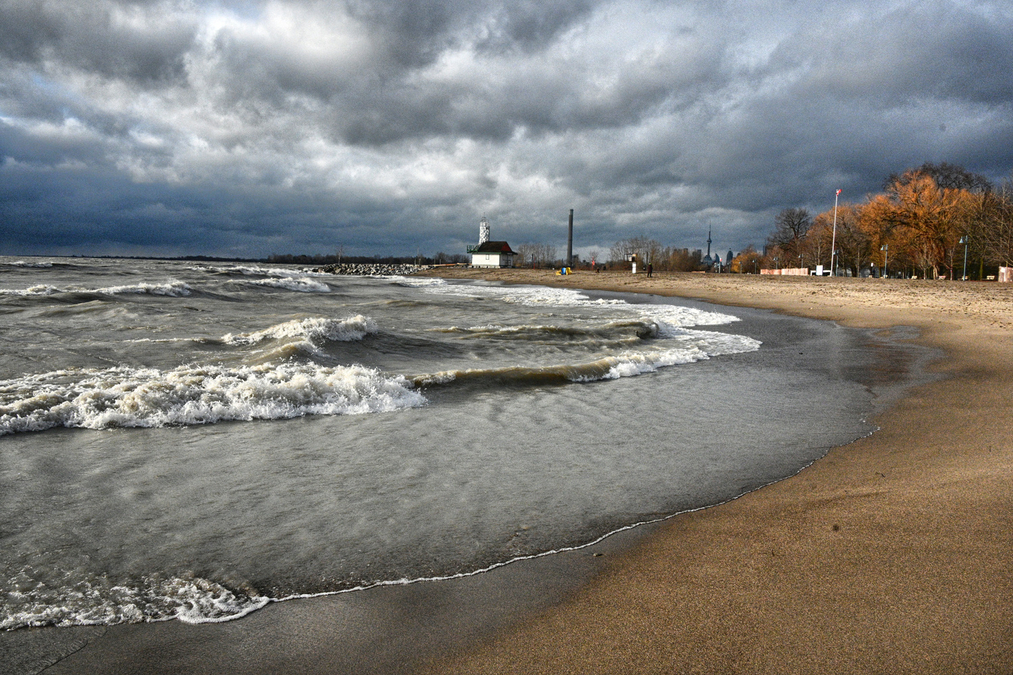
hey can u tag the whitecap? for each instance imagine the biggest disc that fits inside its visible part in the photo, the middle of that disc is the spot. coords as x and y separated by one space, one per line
100 601
193 394
293 283
313 329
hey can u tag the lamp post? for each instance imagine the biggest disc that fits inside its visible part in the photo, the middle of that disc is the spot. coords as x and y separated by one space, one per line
833 241
963 240
885 248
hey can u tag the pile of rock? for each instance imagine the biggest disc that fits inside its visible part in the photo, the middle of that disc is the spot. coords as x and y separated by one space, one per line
372 269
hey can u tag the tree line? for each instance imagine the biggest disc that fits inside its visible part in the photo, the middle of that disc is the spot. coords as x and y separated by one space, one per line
921 224
661 258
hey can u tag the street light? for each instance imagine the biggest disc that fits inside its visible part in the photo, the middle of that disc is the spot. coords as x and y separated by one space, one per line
885 248
963 240
833 241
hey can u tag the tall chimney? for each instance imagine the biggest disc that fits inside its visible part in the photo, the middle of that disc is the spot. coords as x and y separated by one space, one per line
569 242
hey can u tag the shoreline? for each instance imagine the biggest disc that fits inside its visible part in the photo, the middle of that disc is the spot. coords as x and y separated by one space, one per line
716 590
890 554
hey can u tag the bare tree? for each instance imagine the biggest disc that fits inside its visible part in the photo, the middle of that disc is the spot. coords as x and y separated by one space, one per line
947 177
993 225
790 228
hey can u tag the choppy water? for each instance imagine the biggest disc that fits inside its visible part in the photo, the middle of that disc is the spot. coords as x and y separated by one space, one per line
192 441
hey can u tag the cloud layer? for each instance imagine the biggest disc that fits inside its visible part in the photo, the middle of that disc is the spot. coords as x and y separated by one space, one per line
247 128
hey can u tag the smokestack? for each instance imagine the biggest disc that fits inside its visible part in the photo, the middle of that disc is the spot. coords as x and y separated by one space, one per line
569 242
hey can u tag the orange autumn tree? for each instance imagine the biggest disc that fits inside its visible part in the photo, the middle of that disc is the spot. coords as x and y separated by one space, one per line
927 219
856 238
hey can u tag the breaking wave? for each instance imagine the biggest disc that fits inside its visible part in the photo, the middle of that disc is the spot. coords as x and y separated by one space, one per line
188 395
310 334
34 265
696 346
100 601
170 288
298 284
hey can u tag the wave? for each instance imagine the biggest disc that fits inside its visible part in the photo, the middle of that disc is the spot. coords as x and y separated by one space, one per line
256 270
190 395
417 282
170 288
613 331
190 599
298 284
174 289
697 346
312 330
34 265
667 317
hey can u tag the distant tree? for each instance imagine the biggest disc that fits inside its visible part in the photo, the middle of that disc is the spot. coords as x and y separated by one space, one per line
932 219
790 227
992 225
748 261
646 250
815 246
683 260
946 176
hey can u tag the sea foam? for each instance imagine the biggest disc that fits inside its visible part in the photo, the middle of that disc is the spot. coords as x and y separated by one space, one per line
308 335
292 283
169 288
100 601
187 395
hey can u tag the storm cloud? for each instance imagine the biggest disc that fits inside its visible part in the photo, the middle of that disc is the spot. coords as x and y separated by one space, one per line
245 128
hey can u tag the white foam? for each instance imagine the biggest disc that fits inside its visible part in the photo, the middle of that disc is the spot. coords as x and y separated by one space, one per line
170 288
132 397
256 270
25 263
417 282
293 283
32 290
313 329
666 316
96 601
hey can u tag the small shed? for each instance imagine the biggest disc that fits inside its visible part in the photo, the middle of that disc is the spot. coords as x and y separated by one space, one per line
492 254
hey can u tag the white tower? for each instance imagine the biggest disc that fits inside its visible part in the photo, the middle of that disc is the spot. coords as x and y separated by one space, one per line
483 230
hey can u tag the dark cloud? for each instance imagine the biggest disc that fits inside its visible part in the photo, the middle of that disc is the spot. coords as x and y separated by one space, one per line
250 127
145 44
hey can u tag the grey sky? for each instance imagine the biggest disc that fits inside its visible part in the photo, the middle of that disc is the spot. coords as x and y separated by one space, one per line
245 128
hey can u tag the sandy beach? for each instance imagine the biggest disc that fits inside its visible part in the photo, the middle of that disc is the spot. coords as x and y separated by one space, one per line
890 555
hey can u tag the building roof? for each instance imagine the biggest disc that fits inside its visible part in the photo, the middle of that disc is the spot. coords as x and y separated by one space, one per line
493 247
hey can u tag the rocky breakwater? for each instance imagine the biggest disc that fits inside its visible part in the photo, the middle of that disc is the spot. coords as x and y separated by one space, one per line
373 269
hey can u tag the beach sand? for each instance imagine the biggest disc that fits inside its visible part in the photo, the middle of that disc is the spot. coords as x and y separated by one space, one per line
892 555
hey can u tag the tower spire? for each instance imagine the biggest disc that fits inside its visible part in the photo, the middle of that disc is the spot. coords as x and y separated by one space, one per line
708 241
483 230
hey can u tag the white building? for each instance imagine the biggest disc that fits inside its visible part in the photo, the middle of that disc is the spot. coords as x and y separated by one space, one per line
490 253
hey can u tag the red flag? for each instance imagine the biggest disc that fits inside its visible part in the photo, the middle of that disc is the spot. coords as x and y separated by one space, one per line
838 192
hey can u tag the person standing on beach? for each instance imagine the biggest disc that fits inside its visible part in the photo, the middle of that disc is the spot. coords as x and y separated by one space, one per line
650 270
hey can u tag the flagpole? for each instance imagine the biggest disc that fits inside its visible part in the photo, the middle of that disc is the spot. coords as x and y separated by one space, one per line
833 241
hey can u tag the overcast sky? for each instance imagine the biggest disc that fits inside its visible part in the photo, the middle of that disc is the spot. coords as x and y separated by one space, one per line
245 128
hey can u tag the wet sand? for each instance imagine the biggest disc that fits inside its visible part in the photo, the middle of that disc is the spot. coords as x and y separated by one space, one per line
892 554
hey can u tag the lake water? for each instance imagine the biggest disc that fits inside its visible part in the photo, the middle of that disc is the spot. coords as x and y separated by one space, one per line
192 441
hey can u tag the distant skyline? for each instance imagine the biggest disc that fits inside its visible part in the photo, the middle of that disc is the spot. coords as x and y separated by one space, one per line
242 128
